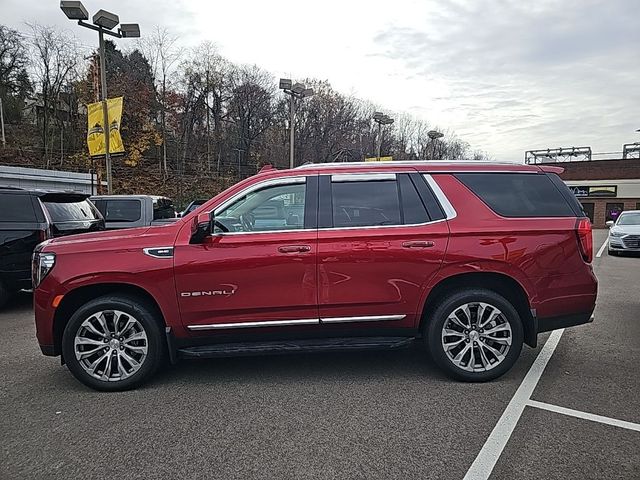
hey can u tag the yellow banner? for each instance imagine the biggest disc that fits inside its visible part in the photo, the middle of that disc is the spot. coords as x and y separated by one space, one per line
378 159
95 132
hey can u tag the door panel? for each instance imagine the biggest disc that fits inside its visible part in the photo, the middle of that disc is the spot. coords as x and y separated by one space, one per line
373 275
263 270
368 272
246 278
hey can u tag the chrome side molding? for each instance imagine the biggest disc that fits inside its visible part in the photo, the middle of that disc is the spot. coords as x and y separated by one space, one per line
289 323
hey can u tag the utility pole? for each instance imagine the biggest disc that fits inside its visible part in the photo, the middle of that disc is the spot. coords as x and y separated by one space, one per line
292 116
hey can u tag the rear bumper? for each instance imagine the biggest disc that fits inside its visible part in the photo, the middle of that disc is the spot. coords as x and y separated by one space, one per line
564 321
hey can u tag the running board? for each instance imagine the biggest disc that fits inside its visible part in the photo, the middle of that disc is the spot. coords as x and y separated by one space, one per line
294 346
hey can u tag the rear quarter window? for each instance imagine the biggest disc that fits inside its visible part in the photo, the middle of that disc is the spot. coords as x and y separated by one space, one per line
71 211
518 194
16 208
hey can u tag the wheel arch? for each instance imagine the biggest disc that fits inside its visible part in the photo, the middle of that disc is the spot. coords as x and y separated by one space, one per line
81 295
500 283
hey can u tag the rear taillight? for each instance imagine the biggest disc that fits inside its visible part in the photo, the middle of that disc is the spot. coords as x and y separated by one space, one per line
585 238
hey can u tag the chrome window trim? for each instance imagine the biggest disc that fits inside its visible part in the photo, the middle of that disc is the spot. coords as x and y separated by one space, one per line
253 188
449 211
362 177
258 186
267 323
149 250
371 318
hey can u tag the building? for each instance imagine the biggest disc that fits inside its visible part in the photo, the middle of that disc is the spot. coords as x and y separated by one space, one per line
603 187
36 178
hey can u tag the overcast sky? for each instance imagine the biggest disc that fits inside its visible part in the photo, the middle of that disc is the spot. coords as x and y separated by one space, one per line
506 76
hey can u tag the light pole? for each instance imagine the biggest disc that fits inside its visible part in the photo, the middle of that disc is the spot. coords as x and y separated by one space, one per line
297 90
103 23
434 135
4 141
381 119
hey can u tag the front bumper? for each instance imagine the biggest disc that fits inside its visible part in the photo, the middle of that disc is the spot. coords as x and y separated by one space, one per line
627 243
564 321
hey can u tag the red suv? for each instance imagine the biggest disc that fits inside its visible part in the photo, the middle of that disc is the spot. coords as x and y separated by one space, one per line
473 259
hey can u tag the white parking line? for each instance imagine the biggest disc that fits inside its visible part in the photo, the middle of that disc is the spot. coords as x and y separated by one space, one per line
492 449
584 415
599 254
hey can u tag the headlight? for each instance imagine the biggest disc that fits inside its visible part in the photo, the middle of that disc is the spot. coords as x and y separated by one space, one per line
616 233
41 265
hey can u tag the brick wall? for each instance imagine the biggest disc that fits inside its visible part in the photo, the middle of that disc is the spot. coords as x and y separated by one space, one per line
600 169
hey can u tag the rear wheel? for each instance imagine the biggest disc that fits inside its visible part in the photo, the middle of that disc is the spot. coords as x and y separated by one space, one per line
475 335
113 343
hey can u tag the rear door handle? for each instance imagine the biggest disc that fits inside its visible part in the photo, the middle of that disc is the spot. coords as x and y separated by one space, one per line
418 244
294 249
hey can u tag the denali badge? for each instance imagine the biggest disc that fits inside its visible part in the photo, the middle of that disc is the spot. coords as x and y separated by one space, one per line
208 293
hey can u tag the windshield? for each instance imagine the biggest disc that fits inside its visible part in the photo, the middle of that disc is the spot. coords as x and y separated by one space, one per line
71 211
629 219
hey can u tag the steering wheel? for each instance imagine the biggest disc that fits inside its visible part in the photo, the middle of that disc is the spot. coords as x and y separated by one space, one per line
247 220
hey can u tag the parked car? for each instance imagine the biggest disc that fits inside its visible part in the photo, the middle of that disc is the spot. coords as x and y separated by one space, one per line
472 259
624 235
131 211
30 217
191 207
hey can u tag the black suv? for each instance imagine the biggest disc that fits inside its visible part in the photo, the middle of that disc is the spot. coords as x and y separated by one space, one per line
28 217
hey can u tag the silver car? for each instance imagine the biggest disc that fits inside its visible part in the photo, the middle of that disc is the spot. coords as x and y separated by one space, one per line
624 234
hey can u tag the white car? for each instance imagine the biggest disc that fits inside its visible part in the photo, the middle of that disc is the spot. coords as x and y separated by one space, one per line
624 234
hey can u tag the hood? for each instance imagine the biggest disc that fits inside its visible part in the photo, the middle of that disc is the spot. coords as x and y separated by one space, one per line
102 236
114 241
626 229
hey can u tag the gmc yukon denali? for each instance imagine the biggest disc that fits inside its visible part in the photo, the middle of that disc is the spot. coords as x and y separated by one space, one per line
472 259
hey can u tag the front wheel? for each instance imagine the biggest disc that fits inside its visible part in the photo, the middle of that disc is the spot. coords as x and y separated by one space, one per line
113 343
475 335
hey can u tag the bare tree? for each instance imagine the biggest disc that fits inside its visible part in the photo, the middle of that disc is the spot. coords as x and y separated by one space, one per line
55 61
163 53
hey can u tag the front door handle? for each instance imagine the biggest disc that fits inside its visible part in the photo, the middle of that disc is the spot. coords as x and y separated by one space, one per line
418 244
294 249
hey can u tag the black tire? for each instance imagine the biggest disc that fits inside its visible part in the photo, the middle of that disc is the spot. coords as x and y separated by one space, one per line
147 317
4 295
434 325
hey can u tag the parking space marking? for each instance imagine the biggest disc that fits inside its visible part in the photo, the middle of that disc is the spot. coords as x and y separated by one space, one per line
483 465
599 254
584 415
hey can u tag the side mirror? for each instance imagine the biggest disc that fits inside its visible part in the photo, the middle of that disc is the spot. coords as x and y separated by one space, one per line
201 227
609 223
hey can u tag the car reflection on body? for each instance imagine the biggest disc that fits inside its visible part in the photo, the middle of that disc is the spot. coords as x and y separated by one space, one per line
624 235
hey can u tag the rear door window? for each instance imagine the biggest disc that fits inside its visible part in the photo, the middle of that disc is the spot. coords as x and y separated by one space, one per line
365 203
62 211
518 194
119 210
16 208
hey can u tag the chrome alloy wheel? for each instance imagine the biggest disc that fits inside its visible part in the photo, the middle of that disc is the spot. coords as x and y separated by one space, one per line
476 337
111 345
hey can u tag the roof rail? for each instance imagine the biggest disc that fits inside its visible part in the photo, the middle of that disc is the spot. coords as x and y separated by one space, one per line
400 163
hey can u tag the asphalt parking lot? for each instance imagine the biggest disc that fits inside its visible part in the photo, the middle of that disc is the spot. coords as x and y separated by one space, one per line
357 415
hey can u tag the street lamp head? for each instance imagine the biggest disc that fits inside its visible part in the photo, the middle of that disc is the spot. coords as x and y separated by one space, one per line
285 84
298 88
307 92
378 115
388 121
129 30
434 134
106 19
74 10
